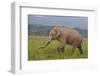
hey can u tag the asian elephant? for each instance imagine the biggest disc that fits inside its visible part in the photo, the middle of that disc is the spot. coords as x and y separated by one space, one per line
65 35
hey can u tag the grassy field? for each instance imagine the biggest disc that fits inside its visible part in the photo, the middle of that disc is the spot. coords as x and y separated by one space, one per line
50 52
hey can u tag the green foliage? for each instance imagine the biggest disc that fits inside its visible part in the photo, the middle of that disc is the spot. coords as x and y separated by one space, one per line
50 52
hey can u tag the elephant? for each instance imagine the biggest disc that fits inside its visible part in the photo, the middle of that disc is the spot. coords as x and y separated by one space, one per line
65 35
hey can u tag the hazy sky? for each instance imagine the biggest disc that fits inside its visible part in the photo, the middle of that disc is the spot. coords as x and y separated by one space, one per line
70 21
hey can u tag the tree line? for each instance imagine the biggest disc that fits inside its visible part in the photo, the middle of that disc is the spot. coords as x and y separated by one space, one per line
43 30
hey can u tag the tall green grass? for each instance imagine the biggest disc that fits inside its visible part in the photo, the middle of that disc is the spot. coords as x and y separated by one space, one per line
50 52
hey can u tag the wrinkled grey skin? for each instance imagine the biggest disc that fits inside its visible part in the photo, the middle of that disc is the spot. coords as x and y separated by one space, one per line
65 36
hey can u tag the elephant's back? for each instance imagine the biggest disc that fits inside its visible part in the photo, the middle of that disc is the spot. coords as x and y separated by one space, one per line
71 32
72 36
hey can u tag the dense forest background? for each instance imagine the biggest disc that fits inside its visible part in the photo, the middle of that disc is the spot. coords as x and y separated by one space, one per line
43 30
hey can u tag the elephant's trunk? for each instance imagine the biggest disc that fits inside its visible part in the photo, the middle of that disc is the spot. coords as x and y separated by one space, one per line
50 38
47 43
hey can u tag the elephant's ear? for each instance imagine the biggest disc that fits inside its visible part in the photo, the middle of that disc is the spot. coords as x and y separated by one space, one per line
58 33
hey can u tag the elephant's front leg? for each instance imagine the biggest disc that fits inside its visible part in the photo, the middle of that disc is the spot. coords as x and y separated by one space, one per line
61 47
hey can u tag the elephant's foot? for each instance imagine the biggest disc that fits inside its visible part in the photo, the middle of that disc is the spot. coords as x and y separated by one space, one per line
60 50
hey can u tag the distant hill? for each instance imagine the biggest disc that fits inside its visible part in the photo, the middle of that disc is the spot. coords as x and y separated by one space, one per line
43 30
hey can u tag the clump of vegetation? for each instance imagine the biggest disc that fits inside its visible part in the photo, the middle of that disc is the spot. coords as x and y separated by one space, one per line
50 52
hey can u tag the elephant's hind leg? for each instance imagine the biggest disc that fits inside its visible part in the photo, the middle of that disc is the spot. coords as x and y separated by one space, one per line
80 49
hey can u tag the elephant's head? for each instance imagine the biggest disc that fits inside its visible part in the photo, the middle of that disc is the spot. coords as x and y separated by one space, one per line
54 33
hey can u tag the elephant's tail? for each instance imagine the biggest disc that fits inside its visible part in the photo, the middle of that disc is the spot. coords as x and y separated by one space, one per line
81 42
